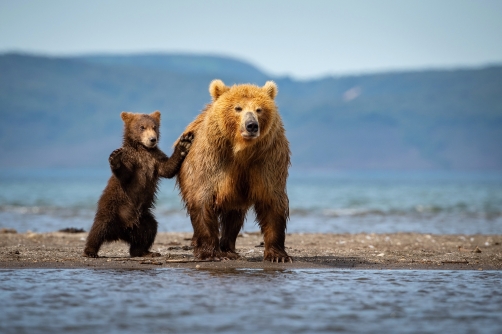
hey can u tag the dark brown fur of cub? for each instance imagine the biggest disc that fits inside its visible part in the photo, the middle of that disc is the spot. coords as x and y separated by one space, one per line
125 208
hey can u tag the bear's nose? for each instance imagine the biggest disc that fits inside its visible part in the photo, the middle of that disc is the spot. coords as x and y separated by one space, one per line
153 140
251 126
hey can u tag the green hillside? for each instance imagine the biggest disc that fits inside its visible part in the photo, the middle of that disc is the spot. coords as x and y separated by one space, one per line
65 111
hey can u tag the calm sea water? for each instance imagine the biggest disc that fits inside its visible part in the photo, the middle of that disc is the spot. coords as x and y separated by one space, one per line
386 202
250 301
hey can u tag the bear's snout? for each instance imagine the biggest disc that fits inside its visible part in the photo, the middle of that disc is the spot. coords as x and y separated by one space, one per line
151 141
251 126
149 138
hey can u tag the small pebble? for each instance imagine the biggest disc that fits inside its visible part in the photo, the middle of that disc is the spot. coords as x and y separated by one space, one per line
197 266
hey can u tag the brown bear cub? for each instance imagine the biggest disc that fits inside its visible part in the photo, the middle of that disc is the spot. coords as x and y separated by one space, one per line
239 159
124 209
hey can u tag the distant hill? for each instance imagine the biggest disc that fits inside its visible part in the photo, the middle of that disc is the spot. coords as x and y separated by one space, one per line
65 111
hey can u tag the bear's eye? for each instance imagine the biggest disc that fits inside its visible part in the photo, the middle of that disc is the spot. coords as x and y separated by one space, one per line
142 128
238 109
258 110
154 128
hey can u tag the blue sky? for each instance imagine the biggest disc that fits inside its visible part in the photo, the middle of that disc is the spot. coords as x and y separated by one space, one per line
303 39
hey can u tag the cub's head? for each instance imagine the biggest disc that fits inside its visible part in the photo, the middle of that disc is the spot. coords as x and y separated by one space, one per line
141 128
245 113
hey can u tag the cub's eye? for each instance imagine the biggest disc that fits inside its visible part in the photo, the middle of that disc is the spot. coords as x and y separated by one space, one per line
142 128
154 128
258 110
238 109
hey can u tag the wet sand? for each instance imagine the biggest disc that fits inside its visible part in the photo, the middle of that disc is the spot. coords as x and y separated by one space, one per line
356 251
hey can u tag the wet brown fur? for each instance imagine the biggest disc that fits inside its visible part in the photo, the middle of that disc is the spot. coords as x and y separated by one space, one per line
225 174
124 209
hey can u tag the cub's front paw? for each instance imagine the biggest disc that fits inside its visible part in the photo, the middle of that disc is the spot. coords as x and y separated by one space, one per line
185 142
115 158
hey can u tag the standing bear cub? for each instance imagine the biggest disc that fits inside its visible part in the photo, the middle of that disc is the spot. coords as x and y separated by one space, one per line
124 209
239 159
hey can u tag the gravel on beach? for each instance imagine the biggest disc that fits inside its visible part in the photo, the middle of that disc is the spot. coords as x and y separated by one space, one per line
344 251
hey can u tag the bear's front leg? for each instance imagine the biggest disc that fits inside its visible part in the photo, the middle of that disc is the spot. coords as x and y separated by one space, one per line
231 224
115 159
117 165
272 221
205 234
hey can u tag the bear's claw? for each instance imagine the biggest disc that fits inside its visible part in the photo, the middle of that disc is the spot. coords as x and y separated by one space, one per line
90 254
144 254
280 259
274 255
152 254
185 143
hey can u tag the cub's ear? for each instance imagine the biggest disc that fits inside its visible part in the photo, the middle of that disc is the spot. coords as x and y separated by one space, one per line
156 116
271 89
216 88
126 116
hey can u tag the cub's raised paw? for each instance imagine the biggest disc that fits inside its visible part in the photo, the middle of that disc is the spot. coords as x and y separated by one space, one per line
115 158
185 142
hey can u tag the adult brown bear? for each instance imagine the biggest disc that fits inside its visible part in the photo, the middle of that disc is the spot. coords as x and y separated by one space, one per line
239 158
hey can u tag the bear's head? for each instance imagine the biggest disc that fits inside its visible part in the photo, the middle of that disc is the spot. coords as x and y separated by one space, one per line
245 113
141 128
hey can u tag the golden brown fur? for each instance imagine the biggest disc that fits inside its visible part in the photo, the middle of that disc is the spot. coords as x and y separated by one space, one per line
124 209
230 169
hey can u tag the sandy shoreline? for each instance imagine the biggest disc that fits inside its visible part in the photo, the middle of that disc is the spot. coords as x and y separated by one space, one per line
357 251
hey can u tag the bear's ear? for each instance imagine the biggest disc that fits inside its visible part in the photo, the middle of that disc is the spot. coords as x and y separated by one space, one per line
271 89
126 116
216 88
156 116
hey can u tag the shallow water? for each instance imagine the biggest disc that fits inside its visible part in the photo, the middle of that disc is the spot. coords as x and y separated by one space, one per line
270 301
385 202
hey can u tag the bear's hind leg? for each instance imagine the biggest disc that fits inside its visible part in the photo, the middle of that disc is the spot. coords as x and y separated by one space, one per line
101 231
141 237
231 224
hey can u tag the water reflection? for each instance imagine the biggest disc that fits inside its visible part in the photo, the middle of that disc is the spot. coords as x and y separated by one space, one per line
244 300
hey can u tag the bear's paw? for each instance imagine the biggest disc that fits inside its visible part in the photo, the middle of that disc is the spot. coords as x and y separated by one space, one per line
274 255
115 158
185 142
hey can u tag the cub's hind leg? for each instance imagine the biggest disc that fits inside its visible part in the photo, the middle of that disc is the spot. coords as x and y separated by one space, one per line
142 236
103 229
